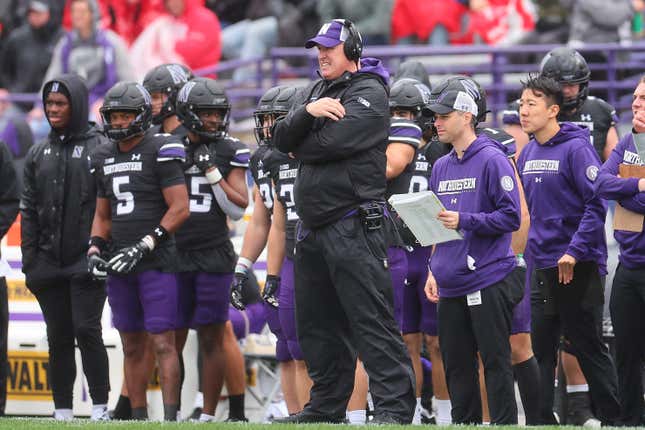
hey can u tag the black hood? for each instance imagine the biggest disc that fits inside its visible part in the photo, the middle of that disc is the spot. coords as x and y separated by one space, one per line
78 98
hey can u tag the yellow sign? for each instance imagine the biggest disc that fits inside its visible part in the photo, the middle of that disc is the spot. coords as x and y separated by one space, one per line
28 377
17 291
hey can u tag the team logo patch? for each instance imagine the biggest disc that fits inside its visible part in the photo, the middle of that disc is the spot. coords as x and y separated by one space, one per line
507 183
78 151
592 173
364 102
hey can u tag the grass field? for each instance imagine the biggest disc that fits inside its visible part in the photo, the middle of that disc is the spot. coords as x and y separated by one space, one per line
47 424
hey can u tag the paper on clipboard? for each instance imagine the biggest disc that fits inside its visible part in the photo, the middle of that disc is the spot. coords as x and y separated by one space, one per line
419 212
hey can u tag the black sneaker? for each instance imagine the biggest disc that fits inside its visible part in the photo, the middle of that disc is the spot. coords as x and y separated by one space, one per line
385 419
195 414
579 411
305 417
236 420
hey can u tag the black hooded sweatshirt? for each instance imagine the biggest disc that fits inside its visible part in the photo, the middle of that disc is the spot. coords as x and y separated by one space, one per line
59 194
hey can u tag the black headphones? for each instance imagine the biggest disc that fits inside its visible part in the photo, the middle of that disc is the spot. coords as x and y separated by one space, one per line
354 43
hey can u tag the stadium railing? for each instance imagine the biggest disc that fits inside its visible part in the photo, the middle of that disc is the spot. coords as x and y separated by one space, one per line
615 68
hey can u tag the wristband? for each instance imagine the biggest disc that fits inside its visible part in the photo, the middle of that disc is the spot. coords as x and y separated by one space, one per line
213 175
243 265
160 234
99 242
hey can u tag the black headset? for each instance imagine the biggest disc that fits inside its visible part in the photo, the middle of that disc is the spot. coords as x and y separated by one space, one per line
354 43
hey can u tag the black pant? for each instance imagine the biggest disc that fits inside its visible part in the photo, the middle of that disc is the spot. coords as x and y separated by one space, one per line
486 327
72 308
627 307
344 304
4 329
573 311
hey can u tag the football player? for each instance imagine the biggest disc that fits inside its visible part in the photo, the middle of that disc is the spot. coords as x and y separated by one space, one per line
141 201
275 196
215 171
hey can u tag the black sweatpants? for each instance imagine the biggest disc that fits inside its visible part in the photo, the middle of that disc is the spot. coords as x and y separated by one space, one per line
72 308
4 332
485 327
573 311
344 305
627 307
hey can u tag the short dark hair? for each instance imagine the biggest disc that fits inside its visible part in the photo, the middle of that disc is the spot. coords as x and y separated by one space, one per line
548 87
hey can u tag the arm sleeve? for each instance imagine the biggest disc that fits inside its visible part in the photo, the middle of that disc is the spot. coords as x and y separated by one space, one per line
610 187
635 203
30 228
582 162
501 188
229 208
364 126
9 199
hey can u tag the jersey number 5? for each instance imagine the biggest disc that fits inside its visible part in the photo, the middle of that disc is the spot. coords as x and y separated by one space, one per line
200 202
125 199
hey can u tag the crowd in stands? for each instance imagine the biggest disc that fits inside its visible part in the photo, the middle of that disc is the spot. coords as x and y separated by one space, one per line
106 41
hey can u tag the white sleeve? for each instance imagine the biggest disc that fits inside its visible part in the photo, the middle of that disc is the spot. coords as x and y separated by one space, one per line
229 208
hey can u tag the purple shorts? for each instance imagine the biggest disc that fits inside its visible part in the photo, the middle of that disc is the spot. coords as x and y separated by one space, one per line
419 313
250 320
203 298
273 319
144 301
521 322
287 310
398 262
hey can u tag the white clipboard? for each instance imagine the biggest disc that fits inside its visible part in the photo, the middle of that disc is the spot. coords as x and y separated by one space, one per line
419 212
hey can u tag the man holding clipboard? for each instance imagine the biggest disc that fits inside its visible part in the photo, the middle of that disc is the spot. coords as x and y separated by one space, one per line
622 178
477 283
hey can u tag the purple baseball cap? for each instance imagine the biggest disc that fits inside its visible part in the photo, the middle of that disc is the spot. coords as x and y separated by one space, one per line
330 34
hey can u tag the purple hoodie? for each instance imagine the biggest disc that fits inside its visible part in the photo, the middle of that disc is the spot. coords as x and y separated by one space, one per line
625 191
481 187
375 67
566 215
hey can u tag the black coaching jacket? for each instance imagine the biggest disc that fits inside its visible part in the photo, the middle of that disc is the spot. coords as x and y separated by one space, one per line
342 163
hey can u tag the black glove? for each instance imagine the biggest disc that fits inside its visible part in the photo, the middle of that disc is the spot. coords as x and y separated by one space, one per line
271 286
96 266
237 299
126 258
203 158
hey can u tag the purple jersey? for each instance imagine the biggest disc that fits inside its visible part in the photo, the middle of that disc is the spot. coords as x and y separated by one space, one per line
481 187
566 215
625 192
